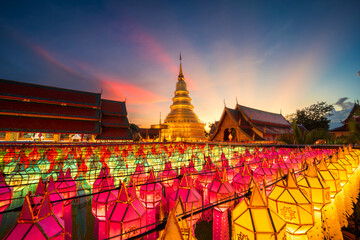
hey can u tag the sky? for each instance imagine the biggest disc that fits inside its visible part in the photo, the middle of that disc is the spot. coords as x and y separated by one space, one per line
276 56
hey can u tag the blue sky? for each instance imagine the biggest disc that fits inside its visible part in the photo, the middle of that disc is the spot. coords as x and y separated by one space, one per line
269 55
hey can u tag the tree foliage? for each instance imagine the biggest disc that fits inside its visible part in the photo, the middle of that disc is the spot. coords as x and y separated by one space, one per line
314 116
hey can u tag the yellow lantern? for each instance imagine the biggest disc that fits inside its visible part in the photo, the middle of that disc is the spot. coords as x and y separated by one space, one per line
314 188
177 228
345 163
353 160
253 220
354 152
331 179
293 206
337 169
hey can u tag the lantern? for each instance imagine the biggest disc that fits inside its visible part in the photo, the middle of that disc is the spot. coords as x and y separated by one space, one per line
330 178
314 188
56 198
102 201
67 187
18 178
6 195
167 179
177 228
150 196
255 220
336 168
287 200
126 215
82 189
190 197
219 190
37 223
242 180
104 174
345 163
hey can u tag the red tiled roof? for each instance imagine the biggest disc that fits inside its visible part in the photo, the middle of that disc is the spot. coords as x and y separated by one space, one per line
114 134
262 117
34 92
12 107
113 107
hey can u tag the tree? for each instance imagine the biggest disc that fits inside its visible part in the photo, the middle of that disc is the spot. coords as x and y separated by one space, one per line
313 117
135 131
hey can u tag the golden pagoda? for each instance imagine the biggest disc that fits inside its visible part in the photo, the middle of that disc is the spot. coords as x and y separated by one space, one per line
183 123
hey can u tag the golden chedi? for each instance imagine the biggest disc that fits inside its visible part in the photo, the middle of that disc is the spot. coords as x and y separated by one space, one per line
183 123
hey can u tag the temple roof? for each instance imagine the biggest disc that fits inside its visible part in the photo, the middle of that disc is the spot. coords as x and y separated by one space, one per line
261 116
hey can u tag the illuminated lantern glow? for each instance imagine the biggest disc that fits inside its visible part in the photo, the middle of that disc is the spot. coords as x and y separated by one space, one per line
126 215
254 219
39 192
314 188
242 180
37 223
337 169
102 201
6 195
104 175
291 204
139 178
18 178
56 198
219 190
67 187
345 163
167 178
353 159
330 178
190 197
225 165
265 172
150 196
177 228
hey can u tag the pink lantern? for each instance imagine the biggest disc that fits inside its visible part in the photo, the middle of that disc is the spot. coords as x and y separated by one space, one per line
229 170
190 197
264 172
104 174
242 180
126 215
102 201
56 198
168 178
37 223
220 189
139 177
39 192
150 196
67 187
6 195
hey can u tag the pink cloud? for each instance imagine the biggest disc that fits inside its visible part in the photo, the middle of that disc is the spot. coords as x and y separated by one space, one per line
118 89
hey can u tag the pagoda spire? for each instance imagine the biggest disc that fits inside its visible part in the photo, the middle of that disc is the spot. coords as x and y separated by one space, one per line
181 75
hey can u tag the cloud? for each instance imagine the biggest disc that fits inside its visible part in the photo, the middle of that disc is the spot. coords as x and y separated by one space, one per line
343 103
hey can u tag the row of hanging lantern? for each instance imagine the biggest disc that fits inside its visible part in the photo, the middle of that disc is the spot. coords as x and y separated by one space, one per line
216 182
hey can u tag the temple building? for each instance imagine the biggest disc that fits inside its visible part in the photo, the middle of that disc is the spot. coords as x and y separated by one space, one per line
244 124
352 118
183 124
31 112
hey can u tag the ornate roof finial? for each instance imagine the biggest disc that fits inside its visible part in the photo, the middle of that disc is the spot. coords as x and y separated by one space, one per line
181 75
